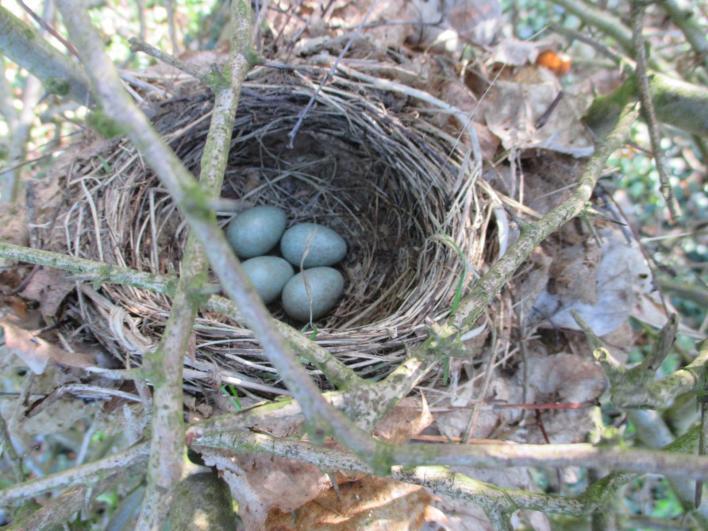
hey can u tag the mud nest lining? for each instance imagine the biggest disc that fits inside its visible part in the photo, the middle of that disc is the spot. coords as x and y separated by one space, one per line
364 162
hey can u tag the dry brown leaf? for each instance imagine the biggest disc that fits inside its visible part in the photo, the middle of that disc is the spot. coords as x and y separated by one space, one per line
49 287
564 378
601 284
519 113
410 417
37 353
263 483
514 52
454 423
13 224
370 504
478 21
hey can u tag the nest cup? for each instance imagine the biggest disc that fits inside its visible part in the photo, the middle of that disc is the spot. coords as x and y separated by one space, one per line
364 162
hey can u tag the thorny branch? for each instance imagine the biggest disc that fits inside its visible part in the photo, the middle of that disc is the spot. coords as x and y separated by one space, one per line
638 387
336 372
75 476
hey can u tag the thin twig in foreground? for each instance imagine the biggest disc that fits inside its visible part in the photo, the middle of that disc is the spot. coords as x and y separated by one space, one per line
75 476
648 107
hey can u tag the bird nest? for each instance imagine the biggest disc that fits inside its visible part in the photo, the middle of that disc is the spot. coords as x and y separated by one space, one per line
364 161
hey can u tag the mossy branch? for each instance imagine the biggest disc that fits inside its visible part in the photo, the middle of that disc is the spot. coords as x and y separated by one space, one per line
678 103
638 387
26 47
439 479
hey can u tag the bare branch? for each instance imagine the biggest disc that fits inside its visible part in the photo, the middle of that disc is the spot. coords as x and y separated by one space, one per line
7 449
441 480
648 106
141 46
334 370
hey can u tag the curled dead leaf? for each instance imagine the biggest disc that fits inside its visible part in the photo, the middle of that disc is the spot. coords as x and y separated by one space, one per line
369 504
410 417
36 352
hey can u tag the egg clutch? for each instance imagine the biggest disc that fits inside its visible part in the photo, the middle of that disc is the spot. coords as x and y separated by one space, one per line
308 247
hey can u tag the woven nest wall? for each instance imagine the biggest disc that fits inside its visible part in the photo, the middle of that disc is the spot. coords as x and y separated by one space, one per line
364 162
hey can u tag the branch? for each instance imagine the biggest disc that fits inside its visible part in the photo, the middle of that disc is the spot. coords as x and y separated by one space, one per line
648 107
137 45
691 28
7 449
637 387
377 399
336 372
75 476
652 432
600 19
194 205
678 103
440 480
166 363
21 43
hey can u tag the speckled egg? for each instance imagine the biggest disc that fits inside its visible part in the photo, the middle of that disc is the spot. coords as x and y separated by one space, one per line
256 231
313 292
268 274
320 245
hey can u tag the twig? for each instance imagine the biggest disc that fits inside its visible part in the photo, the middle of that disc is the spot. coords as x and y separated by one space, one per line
21 43
606 23
49 29
8 450
587 39
365 405
172 29
301 115
193 203
648 107
165 364
140 46
75 476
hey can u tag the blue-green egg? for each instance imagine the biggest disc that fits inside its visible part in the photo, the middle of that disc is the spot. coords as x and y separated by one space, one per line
268 274
256 231
312 293
319 245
